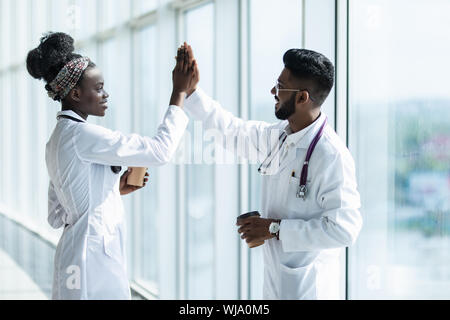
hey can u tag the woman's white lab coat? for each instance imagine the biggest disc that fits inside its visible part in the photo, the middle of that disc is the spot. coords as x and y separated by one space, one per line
84 198
304 263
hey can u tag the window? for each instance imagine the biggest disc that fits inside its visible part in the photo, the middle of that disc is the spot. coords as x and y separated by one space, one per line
39 20
199 26
2 143
147 208
6 101
117 76
277 23
113 13
144 6
21 24
5 34
39 114
83 16
90 51
400 137
63 18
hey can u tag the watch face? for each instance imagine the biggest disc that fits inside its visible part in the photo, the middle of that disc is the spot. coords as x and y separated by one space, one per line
274 227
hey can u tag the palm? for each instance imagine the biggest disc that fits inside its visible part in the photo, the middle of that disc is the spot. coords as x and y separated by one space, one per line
195 78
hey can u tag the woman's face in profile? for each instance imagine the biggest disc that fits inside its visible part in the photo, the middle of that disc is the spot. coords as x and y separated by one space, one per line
93 97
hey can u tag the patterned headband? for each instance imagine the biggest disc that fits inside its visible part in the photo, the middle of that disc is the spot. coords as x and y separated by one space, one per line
67 78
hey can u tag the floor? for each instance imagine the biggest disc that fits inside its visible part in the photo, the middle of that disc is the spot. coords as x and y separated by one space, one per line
15 284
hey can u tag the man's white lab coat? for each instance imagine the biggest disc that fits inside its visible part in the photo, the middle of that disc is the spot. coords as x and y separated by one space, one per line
304 263
84 198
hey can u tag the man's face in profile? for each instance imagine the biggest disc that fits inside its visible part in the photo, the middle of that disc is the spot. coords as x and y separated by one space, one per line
285 100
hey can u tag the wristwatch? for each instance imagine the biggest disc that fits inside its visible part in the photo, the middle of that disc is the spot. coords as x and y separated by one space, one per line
274 228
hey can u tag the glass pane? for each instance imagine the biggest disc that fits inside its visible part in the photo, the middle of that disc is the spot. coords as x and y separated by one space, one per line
62 16
2 139
144 6
20 26
113 12
400 137
199 24
5 34
277 23
116 73
89 51
40 21
15 143
38 128
147 108
84 17
6 105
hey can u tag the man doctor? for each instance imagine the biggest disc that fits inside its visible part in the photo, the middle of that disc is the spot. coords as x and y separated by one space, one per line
309 210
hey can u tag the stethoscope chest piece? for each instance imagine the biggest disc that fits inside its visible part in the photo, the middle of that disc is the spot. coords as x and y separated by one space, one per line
301 192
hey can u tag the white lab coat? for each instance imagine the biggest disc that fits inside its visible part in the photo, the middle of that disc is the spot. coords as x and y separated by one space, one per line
304 263
84 198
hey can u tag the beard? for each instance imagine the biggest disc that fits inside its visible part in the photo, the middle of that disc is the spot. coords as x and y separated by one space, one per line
287 109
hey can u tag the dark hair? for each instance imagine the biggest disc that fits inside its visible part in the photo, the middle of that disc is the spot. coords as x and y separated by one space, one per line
312 66
53 53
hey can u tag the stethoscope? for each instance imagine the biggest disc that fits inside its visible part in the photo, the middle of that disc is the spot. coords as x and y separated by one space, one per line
302 190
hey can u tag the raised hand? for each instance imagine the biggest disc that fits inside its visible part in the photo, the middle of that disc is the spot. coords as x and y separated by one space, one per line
193 63
196 74
182 76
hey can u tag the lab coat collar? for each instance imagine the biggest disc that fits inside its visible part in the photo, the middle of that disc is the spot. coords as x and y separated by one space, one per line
303 138
299 140
69 113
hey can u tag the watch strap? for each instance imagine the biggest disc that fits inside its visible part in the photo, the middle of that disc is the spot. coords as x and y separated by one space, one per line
277 234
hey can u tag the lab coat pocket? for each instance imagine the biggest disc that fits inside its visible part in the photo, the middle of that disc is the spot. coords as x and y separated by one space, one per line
298 283
105 274
112 247
95 265
296 205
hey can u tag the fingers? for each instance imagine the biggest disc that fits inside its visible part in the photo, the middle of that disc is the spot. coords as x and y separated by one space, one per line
242 222
180 61
185 57
191 54
248 237
186 62
145 179
193 66
244 229
178 58
196 74
183 76
183 60
126 173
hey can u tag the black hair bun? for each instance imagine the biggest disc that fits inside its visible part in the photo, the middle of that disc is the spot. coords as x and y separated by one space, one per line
55 50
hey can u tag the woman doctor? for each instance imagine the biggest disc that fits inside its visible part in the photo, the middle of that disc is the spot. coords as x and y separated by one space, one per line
84 160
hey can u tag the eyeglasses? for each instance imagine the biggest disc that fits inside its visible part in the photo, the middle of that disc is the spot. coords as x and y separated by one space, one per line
278 89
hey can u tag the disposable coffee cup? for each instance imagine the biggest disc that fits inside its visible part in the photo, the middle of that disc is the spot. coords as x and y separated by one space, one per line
136 177
251 215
